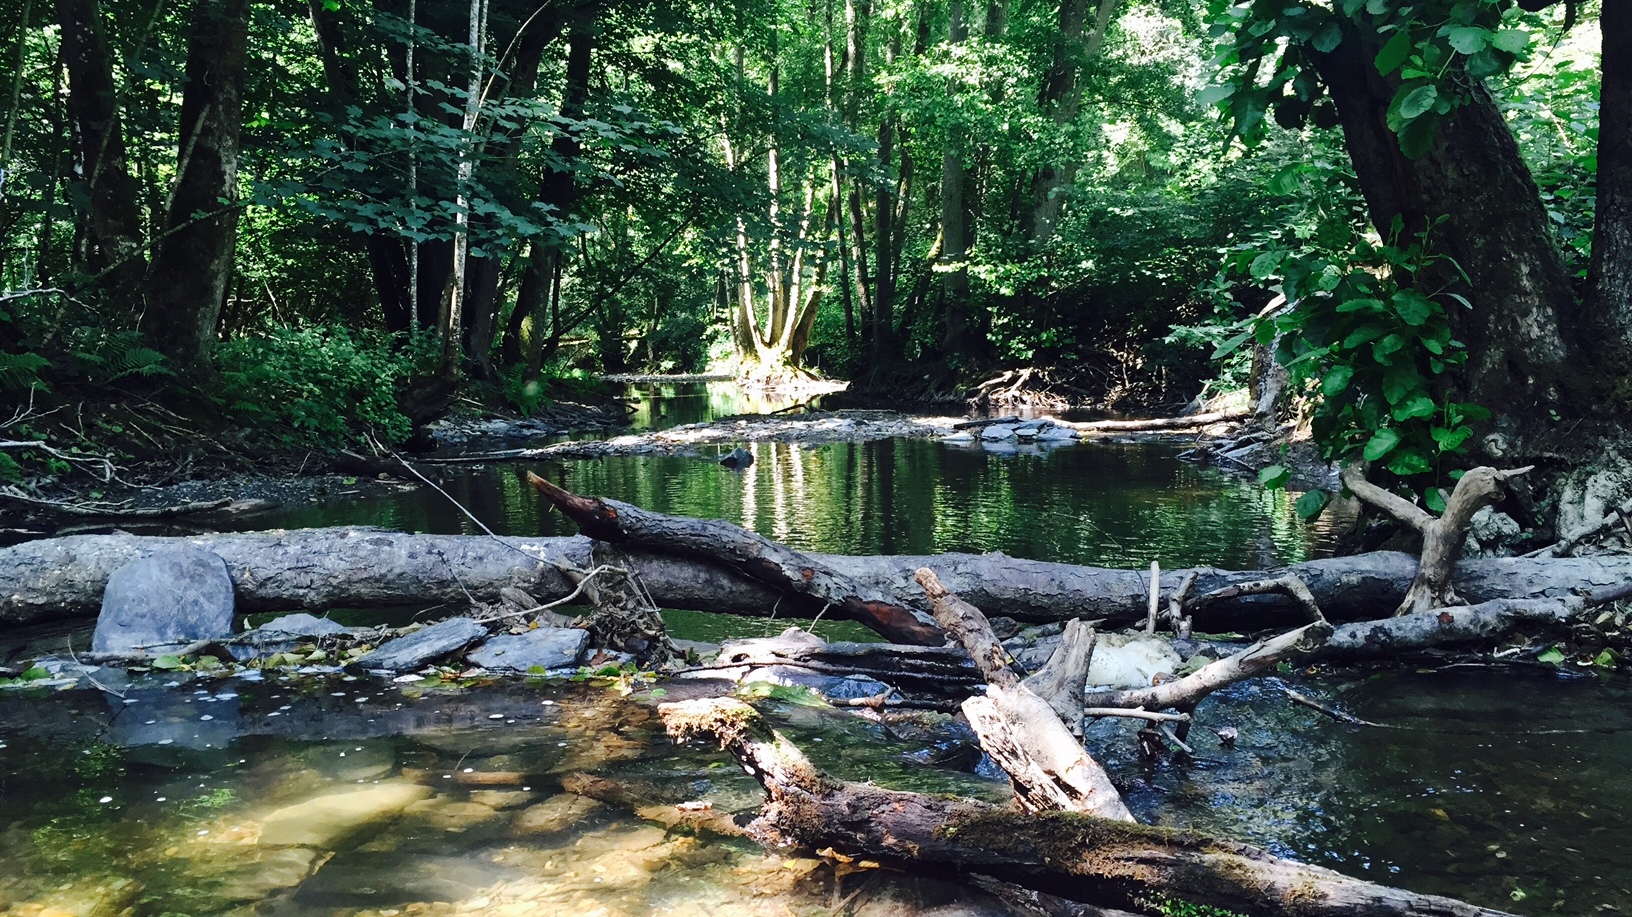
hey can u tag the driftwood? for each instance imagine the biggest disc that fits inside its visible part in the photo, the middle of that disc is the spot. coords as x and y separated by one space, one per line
1186 692
1049 768
56 578
1080 857
799 577
1159 423
1619 518
1442 537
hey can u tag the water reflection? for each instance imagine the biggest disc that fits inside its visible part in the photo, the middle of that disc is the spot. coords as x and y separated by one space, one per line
661 405
1101 504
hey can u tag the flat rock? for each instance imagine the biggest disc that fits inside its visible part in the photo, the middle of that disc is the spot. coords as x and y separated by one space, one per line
832 687
328 822
1052 433
422 646
998 432
283 634
164 601
557 813
544 647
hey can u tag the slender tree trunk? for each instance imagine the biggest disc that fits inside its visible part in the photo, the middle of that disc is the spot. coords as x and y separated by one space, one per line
192 266
1473 188
450 323
954 273
1608 302
111 223
559 191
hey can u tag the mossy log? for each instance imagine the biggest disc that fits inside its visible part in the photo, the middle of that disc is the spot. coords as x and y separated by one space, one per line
1142 869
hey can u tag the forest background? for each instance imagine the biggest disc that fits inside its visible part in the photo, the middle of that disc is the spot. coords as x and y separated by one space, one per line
322 220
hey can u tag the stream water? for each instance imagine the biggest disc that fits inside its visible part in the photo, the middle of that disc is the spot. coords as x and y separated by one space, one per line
347 797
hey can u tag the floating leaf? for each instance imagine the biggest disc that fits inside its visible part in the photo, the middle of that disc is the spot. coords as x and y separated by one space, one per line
1274 476
1552 655
1312 504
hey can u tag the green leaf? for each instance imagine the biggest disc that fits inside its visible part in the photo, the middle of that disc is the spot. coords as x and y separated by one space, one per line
1364 334
1412 307
1418 136
1361 305
1400 383
1311 504
1605 659
1286 181
1417 102
168 662
1415 407
1434 499
1393 53
1468 39
659 692
1452 439
1552 655
1213 95
34 673
1408 462
1327 38
1513 41
1229 346
1381 443
1387 347
1336 380
1264 265
1274 477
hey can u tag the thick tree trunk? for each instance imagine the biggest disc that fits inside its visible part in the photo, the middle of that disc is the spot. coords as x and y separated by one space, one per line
112 221
1079 857
1473 192
187 282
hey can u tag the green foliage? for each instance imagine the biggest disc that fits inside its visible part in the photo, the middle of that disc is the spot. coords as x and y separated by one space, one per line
1376 352
1433 52
323 385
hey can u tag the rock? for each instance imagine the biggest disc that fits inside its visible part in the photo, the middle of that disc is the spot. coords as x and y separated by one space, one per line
328 822
1053 433
1028 432
422 646
1490 533
283 634
102 896
998 432
503 799
545 647
1131 660
449 815
1590 494
164 601
958 436
557 813
832 687
737 458
376 880
259 873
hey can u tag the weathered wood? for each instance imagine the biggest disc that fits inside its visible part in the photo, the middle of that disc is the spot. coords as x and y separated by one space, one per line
1047 765
1159 423
1076 856
1442 537
803 579
1186 692
1061 679
56 578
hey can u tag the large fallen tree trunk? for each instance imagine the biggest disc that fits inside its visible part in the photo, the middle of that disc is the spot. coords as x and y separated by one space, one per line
360 567
1144 869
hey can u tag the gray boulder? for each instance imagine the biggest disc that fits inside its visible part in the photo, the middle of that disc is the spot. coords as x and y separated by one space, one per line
998 432
544 647
164 601
737 458
280 635
422 646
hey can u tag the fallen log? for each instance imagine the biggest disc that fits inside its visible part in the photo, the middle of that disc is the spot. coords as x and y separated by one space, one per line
1144 869
797 576
1158 423
1048 768
56 578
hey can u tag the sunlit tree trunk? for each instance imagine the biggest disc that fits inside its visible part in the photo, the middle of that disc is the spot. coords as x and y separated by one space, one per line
192 264
450 321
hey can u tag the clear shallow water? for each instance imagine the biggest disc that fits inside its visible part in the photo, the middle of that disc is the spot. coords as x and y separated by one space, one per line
1508 790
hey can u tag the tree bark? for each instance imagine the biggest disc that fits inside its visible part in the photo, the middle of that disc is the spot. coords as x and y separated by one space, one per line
1076 856
112 221
315 568
1608 301
187 282
1474 193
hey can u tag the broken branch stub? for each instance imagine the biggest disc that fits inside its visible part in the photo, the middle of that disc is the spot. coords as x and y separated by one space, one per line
799 576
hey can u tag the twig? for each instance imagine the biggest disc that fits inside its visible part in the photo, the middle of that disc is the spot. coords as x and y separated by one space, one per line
1167 731
583 583
1336 714
1155 596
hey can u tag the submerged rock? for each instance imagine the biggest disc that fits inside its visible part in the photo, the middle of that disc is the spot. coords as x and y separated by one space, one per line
737 458
420 647
328 822
164 601
831 687
545 648
557 813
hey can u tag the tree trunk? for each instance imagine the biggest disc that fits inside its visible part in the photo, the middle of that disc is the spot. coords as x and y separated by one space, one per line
559 190
954 273
192 266
1475 193
1608 302
112 221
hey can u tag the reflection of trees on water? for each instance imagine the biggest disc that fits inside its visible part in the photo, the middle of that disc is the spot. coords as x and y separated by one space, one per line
1109 505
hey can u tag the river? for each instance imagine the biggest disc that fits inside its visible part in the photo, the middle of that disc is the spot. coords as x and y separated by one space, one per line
359 798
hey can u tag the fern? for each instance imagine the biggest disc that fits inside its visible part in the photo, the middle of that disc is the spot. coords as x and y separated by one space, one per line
21 371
